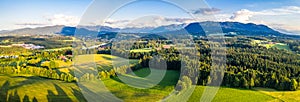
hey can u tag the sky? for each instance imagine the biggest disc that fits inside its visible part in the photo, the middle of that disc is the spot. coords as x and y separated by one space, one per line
282 15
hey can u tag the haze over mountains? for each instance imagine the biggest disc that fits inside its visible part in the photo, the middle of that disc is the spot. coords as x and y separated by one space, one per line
235 28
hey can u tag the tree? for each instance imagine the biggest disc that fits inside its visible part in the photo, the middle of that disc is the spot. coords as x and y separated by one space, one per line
293 85
103 74
208 80
62 76
180 86
53 64
236 82
187 81
244 82
251 84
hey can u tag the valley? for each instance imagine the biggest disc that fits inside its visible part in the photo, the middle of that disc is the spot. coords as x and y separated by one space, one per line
72 68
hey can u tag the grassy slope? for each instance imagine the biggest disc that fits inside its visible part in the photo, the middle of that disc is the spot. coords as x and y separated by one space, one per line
278 46
42 89
165 88
103 60
282 46
156 93
232 95
287 96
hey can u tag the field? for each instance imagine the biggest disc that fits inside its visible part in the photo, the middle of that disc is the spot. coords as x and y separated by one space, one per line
282 46
271 44
287 96
155 93
103 61
278 46
32 88
19 87
232 95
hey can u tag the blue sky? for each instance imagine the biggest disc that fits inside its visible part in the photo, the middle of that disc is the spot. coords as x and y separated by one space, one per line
278 14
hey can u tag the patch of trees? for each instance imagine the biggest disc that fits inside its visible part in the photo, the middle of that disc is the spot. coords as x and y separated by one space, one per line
255 67
294 45
41 72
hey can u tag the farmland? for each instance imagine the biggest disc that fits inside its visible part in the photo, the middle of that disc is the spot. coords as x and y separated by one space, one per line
253 73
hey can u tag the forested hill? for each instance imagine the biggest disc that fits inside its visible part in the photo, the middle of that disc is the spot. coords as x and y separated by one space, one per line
234 28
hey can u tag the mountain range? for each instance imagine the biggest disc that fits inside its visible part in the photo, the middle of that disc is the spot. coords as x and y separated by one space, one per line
196 28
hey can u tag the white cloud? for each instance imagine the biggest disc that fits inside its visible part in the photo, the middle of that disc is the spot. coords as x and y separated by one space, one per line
61 19
49 20
243 15
147 21
287 10
284 18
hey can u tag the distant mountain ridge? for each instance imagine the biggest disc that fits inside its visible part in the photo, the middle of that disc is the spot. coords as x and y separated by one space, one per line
49 30
192 28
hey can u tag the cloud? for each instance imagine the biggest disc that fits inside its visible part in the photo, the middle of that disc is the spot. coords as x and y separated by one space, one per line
31 24
28 24
283 18
243 15
61 19
287 10
292 29
49 20
147 21
113 23
206 11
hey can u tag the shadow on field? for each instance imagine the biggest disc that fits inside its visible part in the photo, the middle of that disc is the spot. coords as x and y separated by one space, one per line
60 97
12 97
4 91
79 96
33 80
170 79
107 58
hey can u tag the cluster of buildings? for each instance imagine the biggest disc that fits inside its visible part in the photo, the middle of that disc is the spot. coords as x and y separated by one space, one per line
8 56
29 46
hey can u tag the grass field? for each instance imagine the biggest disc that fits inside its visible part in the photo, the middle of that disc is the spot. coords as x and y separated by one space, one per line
232 95
282 46
103 61
156 93
287 96
278 46
272 45
31 88
167 85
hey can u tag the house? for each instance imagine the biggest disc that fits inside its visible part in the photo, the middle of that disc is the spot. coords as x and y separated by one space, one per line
168 46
